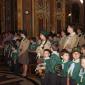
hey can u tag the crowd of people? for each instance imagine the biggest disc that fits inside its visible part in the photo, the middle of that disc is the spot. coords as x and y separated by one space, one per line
60 57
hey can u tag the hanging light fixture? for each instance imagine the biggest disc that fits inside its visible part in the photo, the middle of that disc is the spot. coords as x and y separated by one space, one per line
81 1
70 14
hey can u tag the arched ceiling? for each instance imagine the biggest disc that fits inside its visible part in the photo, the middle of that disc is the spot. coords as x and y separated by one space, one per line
69 2
76 1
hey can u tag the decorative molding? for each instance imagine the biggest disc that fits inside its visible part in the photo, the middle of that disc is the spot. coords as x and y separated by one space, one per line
41 15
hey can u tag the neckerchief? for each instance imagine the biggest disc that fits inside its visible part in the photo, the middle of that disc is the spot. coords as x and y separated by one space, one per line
63 62
71 69
81 74
47 58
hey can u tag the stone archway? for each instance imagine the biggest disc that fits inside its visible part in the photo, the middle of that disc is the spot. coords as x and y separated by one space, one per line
78 9
75 13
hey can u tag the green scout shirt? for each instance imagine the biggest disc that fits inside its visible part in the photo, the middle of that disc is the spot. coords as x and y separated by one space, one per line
65 67
76 70
14 55
81 77
54 60
48 69
7 49
33 46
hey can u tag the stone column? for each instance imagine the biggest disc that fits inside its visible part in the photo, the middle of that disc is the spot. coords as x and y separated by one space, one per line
52 15
82 15
33 18
19 15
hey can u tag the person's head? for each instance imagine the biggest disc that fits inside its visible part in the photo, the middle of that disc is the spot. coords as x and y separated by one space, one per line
65 55
70 29
46 53
14 47
23 34
83 49
55 37
18 35
83 62
63 33
58 35
76 53
43 35
50 37
54 47
33 39
18 41
79 30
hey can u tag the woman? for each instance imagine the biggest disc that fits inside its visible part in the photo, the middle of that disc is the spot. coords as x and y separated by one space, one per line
72 39
45 44
23 53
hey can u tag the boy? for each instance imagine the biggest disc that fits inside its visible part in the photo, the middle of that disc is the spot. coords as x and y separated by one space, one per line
50 74
74 68
82 72
42 65
33 44
83 50
7 52
14 59
65 65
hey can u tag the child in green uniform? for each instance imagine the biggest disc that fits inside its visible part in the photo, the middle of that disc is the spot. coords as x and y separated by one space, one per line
65 65
83 50
74 68
33 44
44 65
14 59
43 68
32 51
7 52
51 77
82 72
